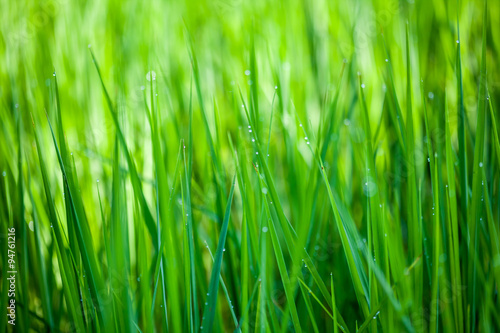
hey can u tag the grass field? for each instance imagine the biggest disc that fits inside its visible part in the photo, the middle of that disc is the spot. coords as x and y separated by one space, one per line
250 166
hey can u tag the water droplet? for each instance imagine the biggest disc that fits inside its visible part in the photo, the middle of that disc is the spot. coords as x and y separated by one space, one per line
431 95
223 250
347 122
249 131
276 87
98 180
151 74
428 159
31 225
300 125
208 294
307 142
386 60
256 153
480 164
264 190
139 279
90 45
458 41
264 229
306 137
363 85
247 72
4 173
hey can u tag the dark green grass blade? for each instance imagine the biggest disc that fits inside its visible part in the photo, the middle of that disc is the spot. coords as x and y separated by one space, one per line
211 303
476 203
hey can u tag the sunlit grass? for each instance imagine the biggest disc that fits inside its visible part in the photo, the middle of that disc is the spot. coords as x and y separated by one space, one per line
251 167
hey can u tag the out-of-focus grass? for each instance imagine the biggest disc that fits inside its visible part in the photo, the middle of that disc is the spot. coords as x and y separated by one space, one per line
360 136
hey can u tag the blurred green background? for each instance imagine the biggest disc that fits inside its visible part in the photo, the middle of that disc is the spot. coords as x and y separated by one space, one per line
177 74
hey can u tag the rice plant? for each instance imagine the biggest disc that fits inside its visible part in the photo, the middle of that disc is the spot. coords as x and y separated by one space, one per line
231 166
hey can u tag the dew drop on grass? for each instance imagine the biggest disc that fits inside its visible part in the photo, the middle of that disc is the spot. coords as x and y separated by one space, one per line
223 250
249 131
347 122
151 74
300 125
480 164
264 229
363 85
431 95
275 87
256 153
4 173
386 60
247 72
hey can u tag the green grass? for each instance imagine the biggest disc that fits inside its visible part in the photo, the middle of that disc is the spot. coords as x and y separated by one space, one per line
341 160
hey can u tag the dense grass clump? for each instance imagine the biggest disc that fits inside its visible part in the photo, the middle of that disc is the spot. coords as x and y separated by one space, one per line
219 166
